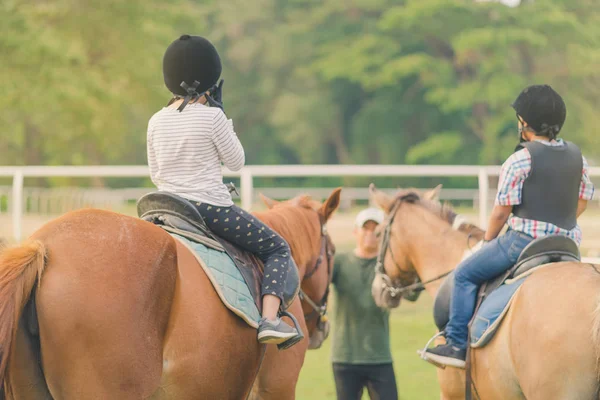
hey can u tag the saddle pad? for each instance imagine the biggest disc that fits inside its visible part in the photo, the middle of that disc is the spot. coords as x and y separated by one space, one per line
226 279
491 312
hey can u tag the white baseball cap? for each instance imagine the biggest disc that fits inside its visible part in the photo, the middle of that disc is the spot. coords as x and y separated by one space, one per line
369 214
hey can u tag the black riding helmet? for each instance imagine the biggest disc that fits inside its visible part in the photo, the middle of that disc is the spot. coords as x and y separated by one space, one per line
191 66
542 108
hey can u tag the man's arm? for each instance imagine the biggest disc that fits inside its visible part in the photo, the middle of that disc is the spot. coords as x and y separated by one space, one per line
498 218
581 207
510 189
586 189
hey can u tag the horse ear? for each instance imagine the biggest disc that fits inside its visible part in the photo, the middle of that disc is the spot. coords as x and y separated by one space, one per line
381 199
433 194
331 204
270 203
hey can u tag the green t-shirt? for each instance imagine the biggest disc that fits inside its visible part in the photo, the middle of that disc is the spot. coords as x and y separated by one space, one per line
360 329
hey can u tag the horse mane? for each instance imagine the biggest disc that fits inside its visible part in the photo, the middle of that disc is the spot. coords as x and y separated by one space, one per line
295 220
443 209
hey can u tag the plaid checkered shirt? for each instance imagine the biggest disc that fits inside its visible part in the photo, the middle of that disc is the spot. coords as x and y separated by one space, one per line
510 189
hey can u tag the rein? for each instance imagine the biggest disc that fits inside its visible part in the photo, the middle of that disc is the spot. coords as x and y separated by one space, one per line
319 309
417 286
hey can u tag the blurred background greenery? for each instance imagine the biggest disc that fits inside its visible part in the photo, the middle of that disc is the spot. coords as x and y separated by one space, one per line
306 81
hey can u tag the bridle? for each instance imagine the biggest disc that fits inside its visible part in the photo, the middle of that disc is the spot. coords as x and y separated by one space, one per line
319 309
408 282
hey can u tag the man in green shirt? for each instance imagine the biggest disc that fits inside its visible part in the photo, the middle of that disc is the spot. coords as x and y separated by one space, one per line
361 353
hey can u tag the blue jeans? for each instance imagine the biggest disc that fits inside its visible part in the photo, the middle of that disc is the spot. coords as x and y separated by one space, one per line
493 259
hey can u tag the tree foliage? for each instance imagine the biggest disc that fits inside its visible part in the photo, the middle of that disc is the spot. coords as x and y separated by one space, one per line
306 81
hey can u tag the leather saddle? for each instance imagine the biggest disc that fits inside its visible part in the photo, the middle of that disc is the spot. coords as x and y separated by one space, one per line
544 250
177 215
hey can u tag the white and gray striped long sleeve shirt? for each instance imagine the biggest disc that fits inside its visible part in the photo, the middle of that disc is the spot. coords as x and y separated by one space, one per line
186 149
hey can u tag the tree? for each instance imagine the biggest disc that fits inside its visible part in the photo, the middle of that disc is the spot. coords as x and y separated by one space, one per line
336 81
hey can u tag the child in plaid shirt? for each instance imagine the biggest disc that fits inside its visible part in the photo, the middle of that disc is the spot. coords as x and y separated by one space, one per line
515 170
554 199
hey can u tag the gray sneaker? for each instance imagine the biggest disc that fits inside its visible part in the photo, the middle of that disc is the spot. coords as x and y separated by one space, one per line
447 355
275 332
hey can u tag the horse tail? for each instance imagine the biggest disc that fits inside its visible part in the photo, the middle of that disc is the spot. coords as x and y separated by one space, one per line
20 267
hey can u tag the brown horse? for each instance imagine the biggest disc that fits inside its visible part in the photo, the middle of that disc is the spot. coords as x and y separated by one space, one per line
547 346
280 369
124 311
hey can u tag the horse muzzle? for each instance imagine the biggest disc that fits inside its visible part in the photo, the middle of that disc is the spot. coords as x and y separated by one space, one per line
320 334
384 293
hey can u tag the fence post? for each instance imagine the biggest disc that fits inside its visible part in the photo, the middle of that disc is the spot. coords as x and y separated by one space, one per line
17 204
484 189
247 188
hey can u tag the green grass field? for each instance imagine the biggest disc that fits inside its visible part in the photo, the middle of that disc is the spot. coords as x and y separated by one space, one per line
411 326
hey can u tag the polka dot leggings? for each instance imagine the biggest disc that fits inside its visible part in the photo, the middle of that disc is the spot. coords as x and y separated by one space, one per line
242 228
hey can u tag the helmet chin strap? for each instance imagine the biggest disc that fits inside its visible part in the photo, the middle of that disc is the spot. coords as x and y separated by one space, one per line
215 95
192 94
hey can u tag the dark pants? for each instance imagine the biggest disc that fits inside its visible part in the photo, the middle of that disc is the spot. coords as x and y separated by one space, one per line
242 228
351 379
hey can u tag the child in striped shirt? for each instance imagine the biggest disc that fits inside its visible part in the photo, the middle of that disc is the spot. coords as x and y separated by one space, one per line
187 142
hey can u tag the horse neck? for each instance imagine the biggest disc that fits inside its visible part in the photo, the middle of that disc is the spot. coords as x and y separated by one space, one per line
432 246
299 227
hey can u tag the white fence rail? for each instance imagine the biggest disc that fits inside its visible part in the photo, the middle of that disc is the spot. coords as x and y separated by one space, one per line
247 175
61 199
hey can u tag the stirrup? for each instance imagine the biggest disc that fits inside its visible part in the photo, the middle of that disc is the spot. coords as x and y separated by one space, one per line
291 341
423 353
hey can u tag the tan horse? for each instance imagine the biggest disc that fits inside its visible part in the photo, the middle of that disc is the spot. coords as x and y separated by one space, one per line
123 311
547 346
